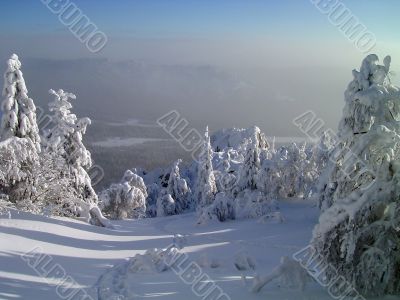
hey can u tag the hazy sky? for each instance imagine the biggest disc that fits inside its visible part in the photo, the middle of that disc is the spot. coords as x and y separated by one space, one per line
223 63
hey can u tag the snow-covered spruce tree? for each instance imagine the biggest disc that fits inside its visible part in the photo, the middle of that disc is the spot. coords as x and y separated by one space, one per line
126 199
294 171
19 111
153 191
308 176
307 171
250 169
358 232
292 176
205 187
178 188
317 165
65 140
269 176
19 122
64 122
280 164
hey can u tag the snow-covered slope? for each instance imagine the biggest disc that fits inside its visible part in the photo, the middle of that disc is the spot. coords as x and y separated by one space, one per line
86 252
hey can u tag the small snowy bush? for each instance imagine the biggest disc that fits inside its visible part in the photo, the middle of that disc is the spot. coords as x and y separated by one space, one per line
166 205
222 209
253 204
126 199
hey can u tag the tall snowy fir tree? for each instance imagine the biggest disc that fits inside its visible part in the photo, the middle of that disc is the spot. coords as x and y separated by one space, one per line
65 140
268 179
250 169
19 111
358 229
205 188
293 177
20 134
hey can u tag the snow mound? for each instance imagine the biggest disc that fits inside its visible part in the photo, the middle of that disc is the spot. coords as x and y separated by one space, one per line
179 241
289 274
243 262
205 261
111 285
274 217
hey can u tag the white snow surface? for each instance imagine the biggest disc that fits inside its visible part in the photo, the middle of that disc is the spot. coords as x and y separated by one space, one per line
90 254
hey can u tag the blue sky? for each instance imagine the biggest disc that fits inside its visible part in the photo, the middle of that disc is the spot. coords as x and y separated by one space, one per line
270 47
149 18
30 28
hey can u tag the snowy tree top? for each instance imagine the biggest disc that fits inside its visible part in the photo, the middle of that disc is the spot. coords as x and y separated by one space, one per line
371 73
13 63
61 95
370 98
19 111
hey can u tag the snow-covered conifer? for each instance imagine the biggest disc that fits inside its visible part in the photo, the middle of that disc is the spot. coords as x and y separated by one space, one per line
251 165
269 176
178 188
205 188
65 140
357 232
292 170
20 135
19 111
